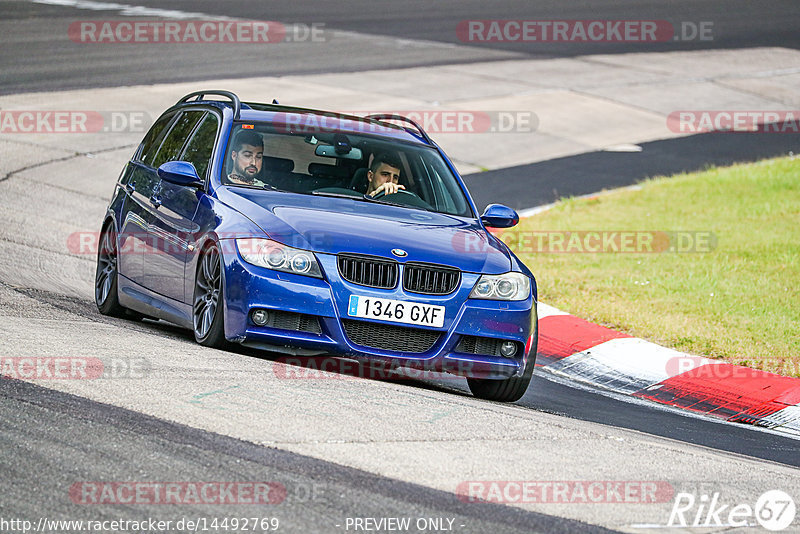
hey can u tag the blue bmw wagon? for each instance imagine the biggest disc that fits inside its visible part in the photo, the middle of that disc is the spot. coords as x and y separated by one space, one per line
310 232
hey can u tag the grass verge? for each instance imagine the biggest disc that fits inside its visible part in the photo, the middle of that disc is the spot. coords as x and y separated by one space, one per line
721 277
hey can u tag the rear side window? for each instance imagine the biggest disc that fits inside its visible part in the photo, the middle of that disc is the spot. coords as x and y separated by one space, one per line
149 145
200 148
173 144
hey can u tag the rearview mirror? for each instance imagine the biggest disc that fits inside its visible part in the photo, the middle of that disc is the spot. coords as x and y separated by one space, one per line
180 173
499 216
329 151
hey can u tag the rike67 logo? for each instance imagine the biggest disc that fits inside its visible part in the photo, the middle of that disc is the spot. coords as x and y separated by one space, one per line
774 510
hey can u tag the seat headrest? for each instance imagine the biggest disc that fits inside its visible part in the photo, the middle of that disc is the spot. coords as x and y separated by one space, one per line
327 171
359 181
277 164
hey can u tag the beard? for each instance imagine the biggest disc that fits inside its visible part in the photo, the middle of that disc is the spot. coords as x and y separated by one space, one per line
250 172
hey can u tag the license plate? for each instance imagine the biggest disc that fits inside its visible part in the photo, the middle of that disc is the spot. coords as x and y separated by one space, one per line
396 311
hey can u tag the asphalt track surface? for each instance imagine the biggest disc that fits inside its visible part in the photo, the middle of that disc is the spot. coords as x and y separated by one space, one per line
51 438
39 56
317 495
545 182
546 394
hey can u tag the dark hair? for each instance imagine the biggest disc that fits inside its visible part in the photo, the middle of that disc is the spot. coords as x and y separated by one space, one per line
384 157
246 138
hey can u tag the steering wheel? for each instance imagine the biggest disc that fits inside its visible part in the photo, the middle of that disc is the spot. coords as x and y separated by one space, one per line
409 198
380 194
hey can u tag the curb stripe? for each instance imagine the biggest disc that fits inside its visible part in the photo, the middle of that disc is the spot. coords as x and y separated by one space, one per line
561 336
586 352
732 392
786 420
625 365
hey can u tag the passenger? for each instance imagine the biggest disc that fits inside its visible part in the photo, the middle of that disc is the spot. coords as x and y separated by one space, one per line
247 154
384 175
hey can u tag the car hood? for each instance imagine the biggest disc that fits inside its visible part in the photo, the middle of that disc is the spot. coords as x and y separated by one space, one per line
339 225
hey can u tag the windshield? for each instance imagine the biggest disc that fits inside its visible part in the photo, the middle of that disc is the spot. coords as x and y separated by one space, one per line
342 165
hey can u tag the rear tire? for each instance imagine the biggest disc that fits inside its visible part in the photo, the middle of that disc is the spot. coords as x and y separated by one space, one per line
208 300
511 389
105 280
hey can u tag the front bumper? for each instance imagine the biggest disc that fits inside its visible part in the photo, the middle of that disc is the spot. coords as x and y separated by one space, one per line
322 303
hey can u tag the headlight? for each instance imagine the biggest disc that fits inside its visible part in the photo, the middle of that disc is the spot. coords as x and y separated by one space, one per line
277 256
508 286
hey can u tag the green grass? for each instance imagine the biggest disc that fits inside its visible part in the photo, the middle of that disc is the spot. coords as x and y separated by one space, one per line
739 302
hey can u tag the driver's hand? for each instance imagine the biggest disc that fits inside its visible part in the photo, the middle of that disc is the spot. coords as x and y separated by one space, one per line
389 188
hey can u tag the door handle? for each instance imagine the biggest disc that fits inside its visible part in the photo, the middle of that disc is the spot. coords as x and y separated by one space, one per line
155 201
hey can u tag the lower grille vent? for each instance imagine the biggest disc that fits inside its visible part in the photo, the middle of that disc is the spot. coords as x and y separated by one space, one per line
486 346
295 321
390 337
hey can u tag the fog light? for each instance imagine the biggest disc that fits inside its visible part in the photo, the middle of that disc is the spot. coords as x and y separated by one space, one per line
508 349
261 317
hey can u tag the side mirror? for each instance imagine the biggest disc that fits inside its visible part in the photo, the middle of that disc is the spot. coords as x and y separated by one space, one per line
180 173
499 216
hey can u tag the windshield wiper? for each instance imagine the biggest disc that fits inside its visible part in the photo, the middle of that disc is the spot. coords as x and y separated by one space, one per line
367 198
267 187
399 204
335 195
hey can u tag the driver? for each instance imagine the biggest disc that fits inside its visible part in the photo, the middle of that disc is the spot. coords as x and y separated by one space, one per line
383 175
247 154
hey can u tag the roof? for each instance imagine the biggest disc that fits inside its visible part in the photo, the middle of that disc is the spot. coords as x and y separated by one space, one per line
313 120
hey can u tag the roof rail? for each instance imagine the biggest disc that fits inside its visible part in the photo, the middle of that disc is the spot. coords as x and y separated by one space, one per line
394 116
199 95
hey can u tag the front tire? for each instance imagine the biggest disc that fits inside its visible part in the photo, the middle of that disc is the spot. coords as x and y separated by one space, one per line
511 389
207 308
105 280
